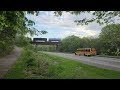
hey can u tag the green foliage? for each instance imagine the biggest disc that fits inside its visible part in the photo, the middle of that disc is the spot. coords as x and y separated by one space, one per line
107 42
42 68
6 41
58 68
17 70
29 58
22 41
16 20
34 63
5 48
70 44
110 38
100 17
12 23
46 48
55 70
115 53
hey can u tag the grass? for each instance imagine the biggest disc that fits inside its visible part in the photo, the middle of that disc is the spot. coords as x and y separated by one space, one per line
60 68
17 69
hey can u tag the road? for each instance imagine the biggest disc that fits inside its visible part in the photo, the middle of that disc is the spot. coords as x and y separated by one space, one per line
102 62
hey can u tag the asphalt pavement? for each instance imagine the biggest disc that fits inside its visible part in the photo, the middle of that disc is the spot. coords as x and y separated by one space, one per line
102 62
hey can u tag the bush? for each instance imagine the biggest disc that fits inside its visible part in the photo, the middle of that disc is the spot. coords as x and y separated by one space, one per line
5 48
30 61
35 63
55 70
29 58
42 65
118 53
115 53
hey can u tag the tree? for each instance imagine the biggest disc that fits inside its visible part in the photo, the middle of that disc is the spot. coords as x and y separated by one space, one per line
101 17
85 42
110 37
13 22
21 40
70 44
17 20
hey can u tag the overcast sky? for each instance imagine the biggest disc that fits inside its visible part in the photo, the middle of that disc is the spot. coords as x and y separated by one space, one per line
63 26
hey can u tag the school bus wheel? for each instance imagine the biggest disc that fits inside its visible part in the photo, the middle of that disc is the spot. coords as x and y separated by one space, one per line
89 55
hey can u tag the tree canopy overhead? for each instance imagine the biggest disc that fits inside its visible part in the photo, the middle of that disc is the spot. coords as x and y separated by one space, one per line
12 23
17 20
101 17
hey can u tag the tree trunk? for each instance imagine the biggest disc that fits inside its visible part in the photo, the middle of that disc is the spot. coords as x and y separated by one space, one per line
117 51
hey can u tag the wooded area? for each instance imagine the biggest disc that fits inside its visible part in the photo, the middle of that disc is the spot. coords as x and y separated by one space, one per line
107 43
33 64
14 26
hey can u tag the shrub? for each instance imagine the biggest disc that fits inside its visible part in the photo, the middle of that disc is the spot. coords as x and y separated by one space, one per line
30 61
5 48
35 63
29 58
42 66
115 53
55 70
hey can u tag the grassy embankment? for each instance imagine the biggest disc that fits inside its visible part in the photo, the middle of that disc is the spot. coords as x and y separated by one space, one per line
54 67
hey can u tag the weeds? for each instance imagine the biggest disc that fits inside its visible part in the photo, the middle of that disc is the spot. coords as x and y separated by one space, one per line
32 65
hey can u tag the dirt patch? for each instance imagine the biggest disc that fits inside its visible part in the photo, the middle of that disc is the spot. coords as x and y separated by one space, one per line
7 61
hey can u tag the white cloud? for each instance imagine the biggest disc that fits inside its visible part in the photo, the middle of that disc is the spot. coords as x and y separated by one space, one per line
65 22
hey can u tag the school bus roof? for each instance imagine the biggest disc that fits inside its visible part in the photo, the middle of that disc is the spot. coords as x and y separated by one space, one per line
84 48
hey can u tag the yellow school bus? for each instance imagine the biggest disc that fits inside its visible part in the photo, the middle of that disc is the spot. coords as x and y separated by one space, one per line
85 51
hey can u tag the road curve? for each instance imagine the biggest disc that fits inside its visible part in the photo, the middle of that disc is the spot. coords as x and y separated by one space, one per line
102 62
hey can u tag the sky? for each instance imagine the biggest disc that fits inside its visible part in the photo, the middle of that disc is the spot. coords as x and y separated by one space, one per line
63 26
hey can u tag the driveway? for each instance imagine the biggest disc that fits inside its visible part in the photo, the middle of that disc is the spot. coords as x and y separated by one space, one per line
102 62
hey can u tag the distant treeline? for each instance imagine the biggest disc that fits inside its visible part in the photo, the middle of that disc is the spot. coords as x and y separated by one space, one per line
107 43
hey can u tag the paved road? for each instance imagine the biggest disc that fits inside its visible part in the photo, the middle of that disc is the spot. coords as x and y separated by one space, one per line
7 61
102 62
